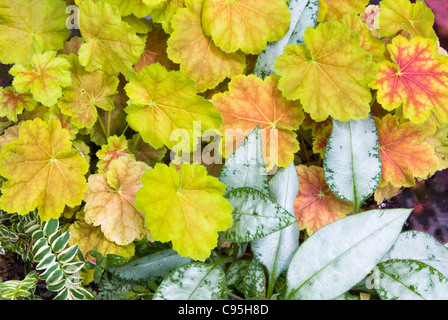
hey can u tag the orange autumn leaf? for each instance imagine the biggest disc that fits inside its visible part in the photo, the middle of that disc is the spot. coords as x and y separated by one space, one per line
417 79
404 153
315 205
250 102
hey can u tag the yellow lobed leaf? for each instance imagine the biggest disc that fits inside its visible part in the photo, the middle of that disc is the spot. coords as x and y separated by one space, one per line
135 7
329 73
110 201
87 92
164 11
315 204
110 44
385 193
252 102
42 170
417 79
13 103
186 208
336 9
402 15
162 101
245 25
44 76
65 121
115 148
28 27
199 58
11 134
404 153
439 142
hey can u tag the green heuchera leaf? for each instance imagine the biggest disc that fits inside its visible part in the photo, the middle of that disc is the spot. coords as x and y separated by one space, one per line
303 15
420 246
276 250
339 255
153 267
411 280
193 281
352 163
110 43
255 215
246 166
28 27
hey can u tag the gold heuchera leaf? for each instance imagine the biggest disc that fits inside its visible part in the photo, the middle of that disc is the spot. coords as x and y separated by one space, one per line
110 201
44 76
87 92
162 101
28 27
111 44
329 73
186 208
115 148
42 170
163 12
13 103
199 58
336 9
245 24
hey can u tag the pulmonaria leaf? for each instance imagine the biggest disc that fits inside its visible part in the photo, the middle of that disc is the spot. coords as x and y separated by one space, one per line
336 9
404 153
198 56
186 208
28 27
252 102
368 42
88 237
110 201
87 92
155 50
417 79
402 15
115 148
245 24
162 101
44 76
316 205
164 11
43 171
329 73
13 103
111 44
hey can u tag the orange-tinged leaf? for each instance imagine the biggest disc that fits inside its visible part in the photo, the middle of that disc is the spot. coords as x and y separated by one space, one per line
186 208
329 73
402 15
245 24
336 9
115 148
252 102
404 153
162 101
155 50
385 193
13 103
315 205
110 201
88 237
417 79
199 58
43 171
28 27
87 92
11 134
44 76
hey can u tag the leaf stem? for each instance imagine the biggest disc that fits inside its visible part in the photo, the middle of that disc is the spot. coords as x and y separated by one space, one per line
109 115
137 139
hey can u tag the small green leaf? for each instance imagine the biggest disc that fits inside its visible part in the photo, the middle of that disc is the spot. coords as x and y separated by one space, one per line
152 267
246 166
255 215
303 15
339 255
352 162
192 281
255 281
411 280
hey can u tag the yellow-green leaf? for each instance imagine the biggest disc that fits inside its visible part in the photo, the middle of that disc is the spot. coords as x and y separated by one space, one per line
13 103
42 170
186 208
